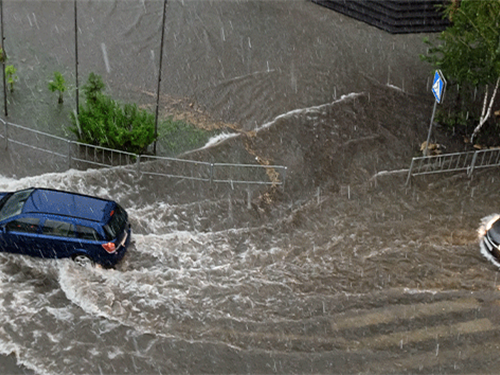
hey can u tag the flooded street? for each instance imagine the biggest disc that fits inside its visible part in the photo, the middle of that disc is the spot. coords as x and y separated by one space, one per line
339 272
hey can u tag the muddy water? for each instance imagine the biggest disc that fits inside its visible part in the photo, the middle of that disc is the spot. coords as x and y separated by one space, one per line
243 61
335 275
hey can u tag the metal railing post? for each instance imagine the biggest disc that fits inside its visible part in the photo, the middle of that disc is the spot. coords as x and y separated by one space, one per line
471 167
6 135
284 179
138 165
69 154
497 161
409 172
211 173
249 197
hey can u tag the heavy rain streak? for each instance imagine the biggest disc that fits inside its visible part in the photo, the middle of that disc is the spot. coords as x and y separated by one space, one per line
344 269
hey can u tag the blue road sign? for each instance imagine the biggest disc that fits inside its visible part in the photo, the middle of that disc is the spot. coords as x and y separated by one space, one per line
438 90
438 86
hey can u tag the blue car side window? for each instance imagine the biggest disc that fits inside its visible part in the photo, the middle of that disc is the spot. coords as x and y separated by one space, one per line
58 228
86 233
23 225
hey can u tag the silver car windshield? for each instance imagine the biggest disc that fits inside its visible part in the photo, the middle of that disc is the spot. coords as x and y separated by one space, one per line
14 204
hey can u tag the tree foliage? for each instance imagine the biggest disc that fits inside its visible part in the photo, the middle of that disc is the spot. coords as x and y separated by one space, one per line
468 52
104 122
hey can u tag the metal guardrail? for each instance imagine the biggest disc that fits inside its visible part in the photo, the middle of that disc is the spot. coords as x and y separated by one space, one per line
98 156
78 155
486 158
456 162
172 167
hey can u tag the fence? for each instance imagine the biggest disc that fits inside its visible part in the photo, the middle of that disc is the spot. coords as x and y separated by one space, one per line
464 161
65 154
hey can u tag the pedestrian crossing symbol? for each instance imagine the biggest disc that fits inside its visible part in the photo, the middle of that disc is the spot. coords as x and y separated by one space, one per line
438 86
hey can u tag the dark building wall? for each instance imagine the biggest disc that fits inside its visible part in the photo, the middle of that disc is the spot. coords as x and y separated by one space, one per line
394 16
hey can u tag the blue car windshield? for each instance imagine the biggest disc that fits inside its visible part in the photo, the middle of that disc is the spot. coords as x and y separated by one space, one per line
14 204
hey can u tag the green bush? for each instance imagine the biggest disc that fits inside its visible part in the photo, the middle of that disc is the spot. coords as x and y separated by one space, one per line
450 120
104 122
3 55
58 84
93 87
10 72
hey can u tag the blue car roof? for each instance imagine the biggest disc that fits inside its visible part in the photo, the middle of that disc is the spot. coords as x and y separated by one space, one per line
68 204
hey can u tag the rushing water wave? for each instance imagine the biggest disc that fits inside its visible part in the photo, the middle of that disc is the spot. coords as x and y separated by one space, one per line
295 285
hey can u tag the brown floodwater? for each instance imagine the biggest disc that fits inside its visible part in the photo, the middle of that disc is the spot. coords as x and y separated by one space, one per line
339 272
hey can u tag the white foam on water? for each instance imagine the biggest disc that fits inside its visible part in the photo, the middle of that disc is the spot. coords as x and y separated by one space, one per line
307 111
25 304
177 278
8 347
220 138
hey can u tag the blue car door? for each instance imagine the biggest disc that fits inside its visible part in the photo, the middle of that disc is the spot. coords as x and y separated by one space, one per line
20 235
56 239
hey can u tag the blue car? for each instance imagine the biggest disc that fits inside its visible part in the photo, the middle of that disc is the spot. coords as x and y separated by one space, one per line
58 224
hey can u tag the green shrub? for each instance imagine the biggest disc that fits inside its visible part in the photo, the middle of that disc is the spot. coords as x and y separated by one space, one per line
104 122
450 120
58 84
93 87
10 72
3 55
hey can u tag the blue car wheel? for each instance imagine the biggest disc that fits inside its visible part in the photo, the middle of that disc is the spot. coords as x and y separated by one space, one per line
82 260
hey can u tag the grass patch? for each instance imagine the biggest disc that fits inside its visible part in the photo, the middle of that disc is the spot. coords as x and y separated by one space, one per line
177 136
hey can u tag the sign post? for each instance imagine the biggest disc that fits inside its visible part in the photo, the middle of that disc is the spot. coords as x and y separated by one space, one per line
438 87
